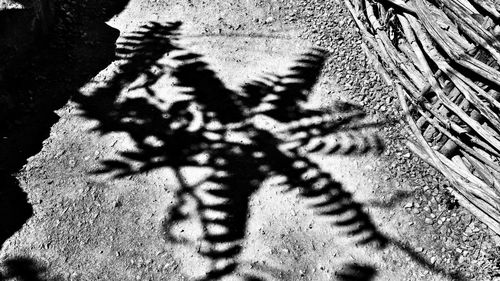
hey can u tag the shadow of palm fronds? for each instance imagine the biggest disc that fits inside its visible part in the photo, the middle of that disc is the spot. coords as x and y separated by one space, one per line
204 124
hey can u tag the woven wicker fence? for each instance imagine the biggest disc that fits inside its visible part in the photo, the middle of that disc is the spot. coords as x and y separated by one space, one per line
443 58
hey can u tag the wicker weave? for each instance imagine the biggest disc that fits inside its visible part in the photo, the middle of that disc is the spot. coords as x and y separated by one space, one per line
443 57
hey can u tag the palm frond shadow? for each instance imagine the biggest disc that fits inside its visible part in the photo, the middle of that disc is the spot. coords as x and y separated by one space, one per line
425 262
208 125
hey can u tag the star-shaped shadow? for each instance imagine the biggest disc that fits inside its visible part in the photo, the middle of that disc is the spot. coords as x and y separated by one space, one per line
205 124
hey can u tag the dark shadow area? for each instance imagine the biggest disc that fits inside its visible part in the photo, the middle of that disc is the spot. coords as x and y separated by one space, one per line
37 76
24 269
397 197
15 32
356 272
14 207
207 125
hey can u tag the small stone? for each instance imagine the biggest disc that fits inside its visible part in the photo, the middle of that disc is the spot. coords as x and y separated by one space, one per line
408 205
468 231
75 276
433 260
269 20
428 221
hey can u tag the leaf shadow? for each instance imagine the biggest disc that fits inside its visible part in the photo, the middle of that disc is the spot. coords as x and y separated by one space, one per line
201 123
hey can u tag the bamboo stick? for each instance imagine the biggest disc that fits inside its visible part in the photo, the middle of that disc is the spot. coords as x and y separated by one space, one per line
450 46
471 27
485 174
413 61
488 215
431 51
406 83
488 6
461 144
405 7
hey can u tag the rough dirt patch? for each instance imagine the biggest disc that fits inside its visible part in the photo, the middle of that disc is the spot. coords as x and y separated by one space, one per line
92 228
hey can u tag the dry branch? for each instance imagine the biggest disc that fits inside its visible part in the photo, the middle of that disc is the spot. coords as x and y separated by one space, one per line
444 59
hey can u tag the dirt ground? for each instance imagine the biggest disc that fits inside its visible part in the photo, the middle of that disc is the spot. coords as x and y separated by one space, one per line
87 227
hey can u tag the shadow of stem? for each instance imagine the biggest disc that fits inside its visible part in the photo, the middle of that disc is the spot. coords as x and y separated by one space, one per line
424 262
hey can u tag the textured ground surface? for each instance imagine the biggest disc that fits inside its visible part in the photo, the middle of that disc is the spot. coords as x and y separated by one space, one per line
93 228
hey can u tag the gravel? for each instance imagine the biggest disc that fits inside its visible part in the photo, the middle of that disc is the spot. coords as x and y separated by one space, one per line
457 241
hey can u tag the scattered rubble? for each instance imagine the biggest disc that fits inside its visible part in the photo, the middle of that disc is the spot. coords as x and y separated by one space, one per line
461 243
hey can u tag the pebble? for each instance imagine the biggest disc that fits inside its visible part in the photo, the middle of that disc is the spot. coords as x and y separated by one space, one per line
461 259
433 260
